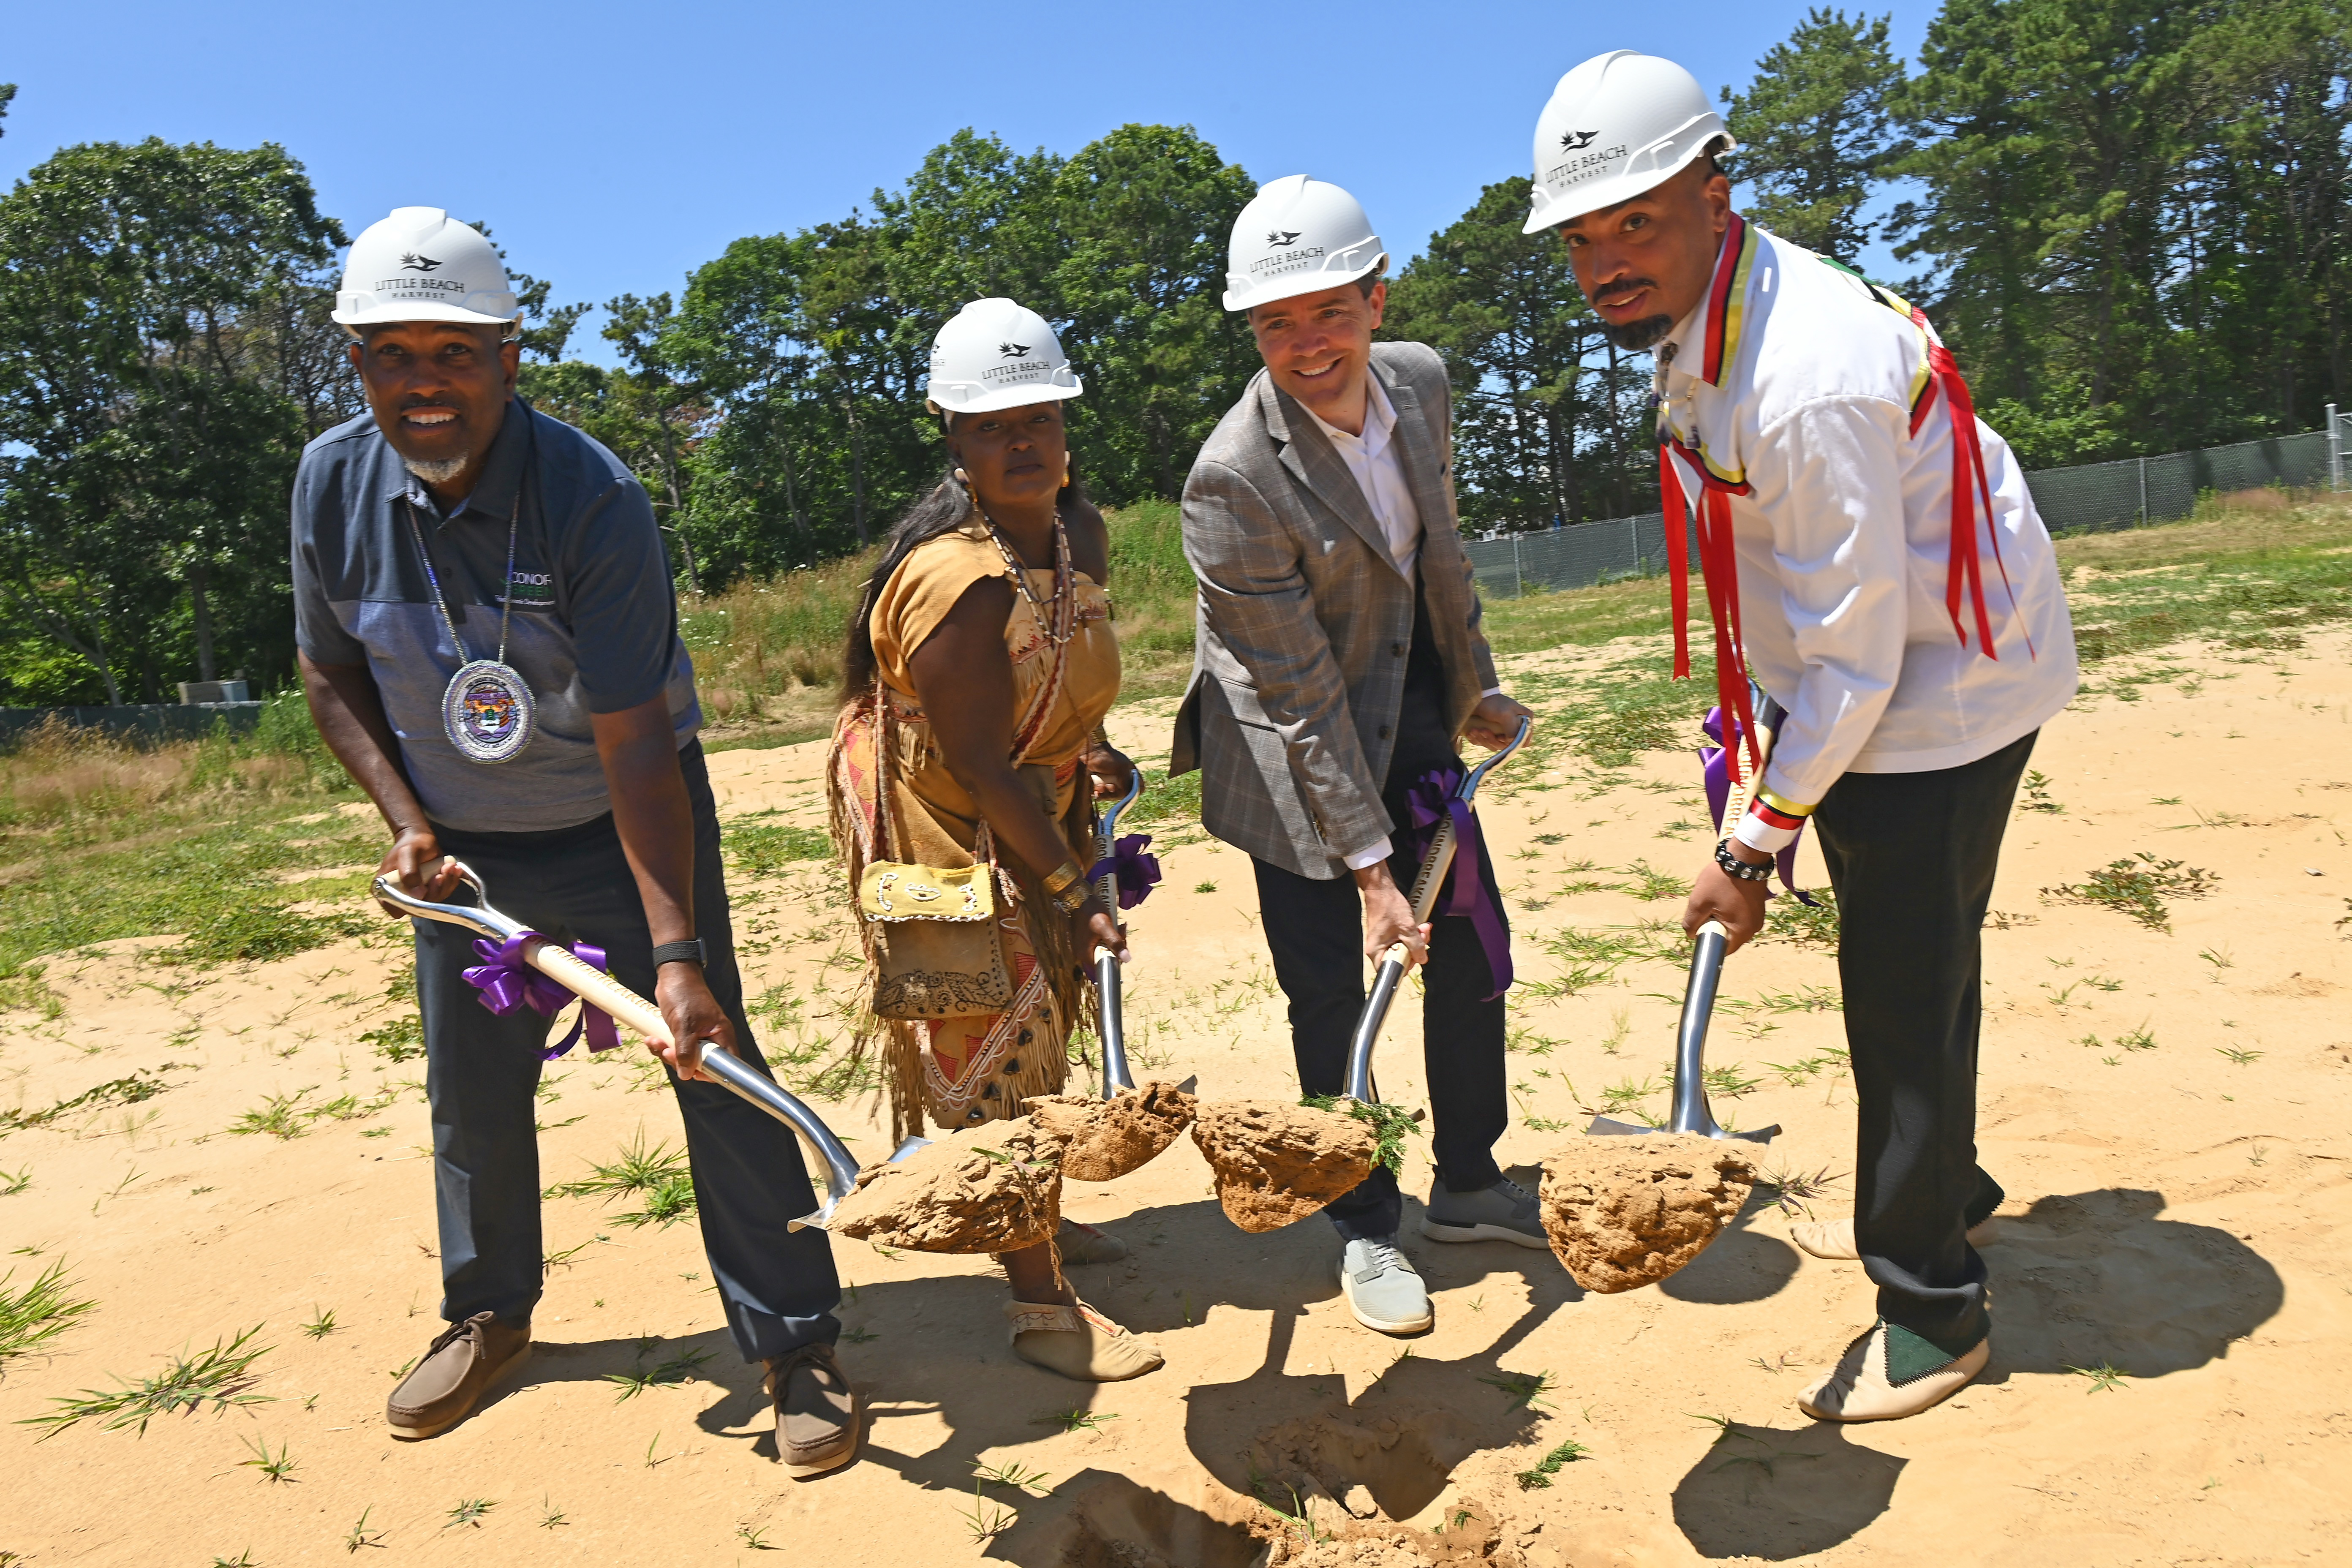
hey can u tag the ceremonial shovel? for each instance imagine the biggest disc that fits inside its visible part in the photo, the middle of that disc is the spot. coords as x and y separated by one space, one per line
602 990
1110 1026
1434 864
1691 1113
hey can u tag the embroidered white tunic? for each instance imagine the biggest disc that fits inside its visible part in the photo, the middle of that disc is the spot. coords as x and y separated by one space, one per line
1804 390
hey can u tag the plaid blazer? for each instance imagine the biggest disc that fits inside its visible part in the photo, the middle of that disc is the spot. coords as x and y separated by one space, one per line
1304 621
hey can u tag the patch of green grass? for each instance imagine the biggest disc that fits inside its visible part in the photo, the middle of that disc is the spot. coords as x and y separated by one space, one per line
761 848
1789 918
321 1323
2137 885
1391 1125
258 929
637 1170
277 1467
668 1201
1537 1478
39 1312
222 1376
1649 883
29 993
2037 794
1077 1418
144 1084
282 1116
472 1512
1166 802
2104 1377
397 1039
676 1370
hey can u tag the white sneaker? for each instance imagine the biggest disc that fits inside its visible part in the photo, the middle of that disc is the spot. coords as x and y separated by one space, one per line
1382 1290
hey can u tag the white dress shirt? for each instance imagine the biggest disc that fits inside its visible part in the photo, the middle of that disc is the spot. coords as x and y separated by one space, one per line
1379 472
1805 392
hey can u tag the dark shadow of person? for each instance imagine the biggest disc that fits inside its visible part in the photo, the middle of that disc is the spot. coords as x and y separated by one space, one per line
1762 1492
1739 1266
2094 1278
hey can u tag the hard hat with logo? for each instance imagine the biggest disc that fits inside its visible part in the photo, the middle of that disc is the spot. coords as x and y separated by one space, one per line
1299 236
419 265
1617 125
998 354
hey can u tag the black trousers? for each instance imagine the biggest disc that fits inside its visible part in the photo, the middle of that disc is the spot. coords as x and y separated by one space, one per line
1911 856
777 1286
1315 933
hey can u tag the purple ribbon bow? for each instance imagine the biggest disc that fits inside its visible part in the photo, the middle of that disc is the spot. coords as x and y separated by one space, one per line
1464 890
1717 774
1138 873
506 983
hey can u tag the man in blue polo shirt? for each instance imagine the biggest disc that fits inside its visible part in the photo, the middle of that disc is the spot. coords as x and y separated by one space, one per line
489 644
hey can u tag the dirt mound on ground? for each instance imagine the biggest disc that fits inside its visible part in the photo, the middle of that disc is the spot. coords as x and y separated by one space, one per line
1623 1213
994 1188
1277 1163
1103 1140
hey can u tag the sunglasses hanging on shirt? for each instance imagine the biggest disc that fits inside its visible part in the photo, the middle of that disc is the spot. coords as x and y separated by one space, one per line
487 710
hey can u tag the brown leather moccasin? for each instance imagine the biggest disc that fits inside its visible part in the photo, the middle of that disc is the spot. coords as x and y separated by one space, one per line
816 1413
454 1373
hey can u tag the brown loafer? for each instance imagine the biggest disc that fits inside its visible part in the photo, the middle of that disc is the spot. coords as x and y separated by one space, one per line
816 1413
454 1373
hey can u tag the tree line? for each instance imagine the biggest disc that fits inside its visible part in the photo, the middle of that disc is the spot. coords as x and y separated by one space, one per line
2132 222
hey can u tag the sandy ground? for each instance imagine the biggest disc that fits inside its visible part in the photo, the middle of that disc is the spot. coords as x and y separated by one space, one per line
2174 1212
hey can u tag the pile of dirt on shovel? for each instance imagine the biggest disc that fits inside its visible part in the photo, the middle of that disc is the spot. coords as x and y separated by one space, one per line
1624 1212
1277 1163
993 1188
1103 1140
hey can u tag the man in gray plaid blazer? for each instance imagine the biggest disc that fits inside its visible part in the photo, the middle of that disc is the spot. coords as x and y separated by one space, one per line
1338 659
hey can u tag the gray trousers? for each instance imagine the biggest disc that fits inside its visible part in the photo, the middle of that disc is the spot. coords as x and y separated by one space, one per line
778 1285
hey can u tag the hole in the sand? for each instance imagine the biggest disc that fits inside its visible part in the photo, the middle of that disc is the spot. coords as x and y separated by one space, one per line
1120 1524
1396 1462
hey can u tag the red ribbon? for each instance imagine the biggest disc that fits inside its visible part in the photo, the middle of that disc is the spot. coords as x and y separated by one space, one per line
1963 574
1719 568
506 981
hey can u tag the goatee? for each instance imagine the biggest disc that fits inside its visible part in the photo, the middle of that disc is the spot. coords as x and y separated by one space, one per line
1636 336
440 473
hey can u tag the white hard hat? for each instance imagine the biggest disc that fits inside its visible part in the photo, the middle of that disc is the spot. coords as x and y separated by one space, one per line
1298 237
1617 125
418 265
998 354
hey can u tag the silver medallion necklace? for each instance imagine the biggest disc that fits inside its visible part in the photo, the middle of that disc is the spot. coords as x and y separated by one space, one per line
487 709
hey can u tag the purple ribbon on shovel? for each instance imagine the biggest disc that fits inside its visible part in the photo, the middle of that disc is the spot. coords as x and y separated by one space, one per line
1717 774
1138 873
1464 890
506 983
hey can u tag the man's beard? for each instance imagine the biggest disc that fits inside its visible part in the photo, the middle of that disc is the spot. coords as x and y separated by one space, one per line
1636 336
440 473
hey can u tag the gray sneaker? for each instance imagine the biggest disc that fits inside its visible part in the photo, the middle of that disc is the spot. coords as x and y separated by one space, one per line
1382 1288
1503 1212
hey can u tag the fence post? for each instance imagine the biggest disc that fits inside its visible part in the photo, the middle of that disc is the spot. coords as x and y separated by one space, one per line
2334 451
1518 577
2143 490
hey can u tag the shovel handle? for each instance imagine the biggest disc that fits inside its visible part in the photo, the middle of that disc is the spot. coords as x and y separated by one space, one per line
596 987
1110 1026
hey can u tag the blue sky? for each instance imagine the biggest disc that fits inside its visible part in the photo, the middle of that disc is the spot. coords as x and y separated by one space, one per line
615 148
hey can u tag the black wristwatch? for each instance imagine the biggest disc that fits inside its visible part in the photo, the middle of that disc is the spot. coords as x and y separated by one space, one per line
1740 869
680 953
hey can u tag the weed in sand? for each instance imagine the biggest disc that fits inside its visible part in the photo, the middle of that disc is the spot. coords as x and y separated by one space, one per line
2037 794
2137 887
755 1537
144 1084
1204 886
987 1518
242 1560
1626 1100
1525 1388
1813 924
1730 1078
1012 1477
2104 1377
1390 1124
549 1515
679 1369
1077 1418
321 1324
638 1170
472 1511
277 1467
2219 957
360 1535
282 1116
2139 1039
859 1336
1649 883
1794 1191
14 1182
1540 1476
222 1376
398 1039
2239 1058
36 1314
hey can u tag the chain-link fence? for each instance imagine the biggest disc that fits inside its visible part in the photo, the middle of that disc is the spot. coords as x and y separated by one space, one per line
2087 498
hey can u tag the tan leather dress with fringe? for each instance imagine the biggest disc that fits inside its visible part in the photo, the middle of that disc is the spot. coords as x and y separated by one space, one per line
969 1070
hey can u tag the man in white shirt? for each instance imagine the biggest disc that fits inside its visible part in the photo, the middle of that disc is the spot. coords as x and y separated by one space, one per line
1871 554
1338 659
